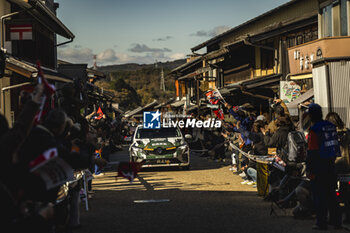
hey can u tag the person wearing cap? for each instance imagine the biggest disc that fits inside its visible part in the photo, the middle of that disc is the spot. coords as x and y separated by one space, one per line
323 149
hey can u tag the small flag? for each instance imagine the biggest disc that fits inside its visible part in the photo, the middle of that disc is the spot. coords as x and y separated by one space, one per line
213 97
99 113
209 94
45 156
214 101
129 170
219 113
47 102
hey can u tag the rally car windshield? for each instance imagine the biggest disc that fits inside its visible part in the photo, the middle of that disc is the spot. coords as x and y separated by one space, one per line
158 133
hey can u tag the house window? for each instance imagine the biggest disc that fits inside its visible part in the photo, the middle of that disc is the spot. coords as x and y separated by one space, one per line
267 59
344 17
327 21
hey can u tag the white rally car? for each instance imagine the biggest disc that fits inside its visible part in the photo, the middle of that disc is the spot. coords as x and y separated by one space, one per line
160 147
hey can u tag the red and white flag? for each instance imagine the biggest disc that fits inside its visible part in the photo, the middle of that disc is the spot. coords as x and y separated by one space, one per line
219 113
21 32
213 97
45 156
47 102
129 170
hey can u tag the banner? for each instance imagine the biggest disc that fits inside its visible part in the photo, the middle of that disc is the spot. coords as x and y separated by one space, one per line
289 91
54 172
264 159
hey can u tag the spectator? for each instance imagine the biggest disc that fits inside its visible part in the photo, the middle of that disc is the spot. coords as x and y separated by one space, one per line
259 148
279 141
342 164
245 119
322 152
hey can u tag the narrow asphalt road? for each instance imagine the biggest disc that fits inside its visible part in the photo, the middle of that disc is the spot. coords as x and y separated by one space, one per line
207 198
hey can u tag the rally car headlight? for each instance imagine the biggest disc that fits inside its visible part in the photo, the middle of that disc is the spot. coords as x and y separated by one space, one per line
183 147
139 152
137 149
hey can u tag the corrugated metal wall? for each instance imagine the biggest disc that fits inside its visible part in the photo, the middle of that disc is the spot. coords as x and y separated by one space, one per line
339 81
321 88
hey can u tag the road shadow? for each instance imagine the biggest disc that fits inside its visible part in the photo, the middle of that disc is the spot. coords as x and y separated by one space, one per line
186 211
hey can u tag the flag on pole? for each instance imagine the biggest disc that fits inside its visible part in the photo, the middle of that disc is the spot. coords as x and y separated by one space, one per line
47 102
217 92
213 97
219 113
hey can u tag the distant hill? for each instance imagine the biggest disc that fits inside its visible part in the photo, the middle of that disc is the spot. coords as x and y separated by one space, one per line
141 79
133 66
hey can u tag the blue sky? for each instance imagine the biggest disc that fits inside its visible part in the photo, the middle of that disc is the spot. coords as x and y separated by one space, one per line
146 31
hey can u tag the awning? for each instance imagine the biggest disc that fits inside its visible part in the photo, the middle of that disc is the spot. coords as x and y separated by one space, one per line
133 112
178 103
140 109
301 76
268 81
187 65
30 71
45 16
216 54
164 104
55 76
21 68
261 81
229 88
293 106
195 73
286 26
187 76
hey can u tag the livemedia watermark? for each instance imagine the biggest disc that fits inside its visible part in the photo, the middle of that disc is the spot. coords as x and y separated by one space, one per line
152 120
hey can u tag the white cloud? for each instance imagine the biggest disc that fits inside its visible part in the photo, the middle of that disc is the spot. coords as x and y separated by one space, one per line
177 56
142 48
83 55
107 56
110 57
163 38
211 33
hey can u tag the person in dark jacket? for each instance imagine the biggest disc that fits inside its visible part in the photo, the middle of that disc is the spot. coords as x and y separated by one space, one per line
14 181
259 148
323 149
279 138
342 164
279 141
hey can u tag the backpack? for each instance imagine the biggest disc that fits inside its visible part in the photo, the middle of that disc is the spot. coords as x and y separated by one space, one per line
296 147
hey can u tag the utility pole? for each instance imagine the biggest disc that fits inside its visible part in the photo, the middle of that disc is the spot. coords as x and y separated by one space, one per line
95 64
162 82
